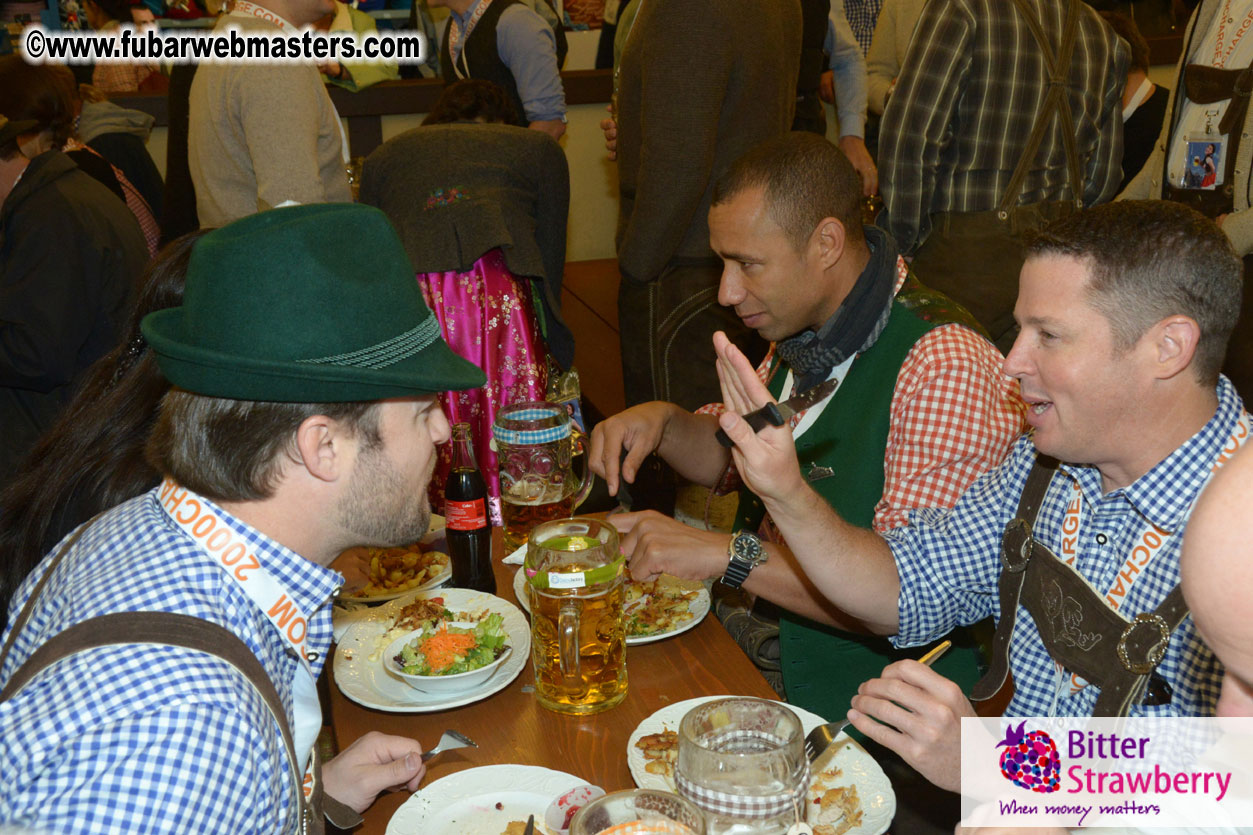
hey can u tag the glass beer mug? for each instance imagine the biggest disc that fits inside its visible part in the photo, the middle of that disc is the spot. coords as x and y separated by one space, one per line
535 446
578 641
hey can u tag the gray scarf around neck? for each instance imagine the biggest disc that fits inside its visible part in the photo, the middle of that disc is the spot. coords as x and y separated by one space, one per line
853 327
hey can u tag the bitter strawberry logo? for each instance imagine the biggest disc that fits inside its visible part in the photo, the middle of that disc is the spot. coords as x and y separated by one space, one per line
1030 760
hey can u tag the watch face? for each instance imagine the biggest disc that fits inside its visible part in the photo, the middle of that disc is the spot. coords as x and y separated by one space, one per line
747 548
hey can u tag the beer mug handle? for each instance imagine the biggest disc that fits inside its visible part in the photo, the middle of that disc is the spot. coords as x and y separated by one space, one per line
568 640
579 440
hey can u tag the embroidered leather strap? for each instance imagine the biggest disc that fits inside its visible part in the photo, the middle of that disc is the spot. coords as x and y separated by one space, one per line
1079 630
1015 554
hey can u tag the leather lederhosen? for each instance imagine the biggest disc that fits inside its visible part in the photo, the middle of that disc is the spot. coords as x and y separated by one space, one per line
172 629
1079 630
1207 85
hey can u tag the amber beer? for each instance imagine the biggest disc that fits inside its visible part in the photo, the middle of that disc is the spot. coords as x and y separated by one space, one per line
598 680
521 519
578 638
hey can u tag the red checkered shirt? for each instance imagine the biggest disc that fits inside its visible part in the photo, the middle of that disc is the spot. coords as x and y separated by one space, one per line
954 415
134 200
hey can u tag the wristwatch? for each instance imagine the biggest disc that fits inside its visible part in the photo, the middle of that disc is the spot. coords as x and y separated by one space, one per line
744 554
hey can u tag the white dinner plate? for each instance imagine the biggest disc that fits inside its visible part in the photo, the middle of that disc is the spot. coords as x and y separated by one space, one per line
878 801
698 606
368 683
355 578
465 803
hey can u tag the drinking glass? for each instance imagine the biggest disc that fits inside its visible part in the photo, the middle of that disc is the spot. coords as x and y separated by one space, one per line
743 762
574 569
535 444
639 811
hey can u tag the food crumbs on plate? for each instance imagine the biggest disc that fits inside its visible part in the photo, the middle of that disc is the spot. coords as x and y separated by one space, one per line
499 806
839 806
661 751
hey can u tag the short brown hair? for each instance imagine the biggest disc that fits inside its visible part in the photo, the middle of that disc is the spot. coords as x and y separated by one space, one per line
1149 259
805 178
473 99
46 93
231 450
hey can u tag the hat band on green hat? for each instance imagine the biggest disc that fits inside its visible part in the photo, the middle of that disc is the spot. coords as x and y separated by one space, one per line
388 352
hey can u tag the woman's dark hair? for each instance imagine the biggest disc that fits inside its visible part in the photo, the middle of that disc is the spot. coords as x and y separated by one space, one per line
473 100
93 456
43 92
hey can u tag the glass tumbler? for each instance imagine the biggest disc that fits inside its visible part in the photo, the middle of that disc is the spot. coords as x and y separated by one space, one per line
639 811
743 762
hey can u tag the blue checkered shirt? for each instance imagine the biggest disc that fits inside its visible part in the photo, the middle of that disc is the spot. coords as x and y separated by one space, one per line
142 738
949 564
862 16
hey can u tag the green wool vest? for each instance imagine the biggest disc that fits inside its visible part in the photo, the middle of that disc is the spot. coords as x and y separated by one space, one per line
823 666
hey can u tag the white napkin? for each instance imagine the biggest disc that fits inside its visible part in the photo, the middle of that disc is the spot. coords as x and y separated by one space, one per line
518 557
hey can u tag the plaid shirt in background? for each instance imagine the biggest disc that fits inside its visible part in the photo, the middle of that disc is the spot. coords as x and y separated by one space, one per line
964 104
949 565
862 16
145 738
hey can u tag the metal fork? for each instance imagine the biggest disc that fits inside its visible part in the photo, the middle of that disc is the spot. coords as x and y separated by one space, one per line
820 738
449 741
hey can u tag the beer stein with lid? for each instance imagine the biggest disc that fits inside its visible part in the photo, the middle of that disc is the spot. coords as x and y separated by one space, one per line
575 578
535 446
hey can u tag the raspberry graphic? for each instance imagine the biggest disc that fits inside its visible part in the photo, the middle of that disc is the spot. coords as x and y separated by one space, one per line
1030 760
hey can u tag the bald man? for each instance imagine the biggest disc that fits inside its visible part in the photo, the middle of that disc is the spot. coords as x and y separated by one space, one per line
1217 571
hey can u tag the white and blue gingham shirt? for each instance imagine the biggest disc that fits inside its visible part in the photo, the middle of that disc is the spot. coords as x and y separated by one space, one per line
948 562
142 738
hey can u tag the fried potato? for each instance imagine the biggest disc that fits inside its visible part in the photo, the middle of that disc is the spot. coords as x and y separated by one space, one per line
658 606
661 750
393 570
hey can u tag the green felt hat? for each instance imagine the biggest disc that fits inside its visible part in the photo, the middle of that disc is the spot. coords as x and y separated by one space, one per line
308 304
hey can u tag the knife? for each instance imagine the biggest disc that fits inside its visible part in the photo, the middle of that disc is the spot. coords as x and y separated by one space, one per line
777 414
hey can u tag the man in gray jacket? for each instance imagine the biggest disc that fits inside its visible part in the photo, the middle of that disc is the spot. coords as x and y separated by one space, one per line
700 82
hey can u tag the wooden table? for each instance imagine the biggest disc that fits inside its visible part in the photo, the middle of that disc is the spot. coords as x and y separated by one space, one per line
511 727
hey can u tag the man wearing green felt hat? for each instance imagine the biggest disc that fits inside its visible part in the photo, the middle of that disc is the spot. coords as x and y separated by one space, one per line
189 624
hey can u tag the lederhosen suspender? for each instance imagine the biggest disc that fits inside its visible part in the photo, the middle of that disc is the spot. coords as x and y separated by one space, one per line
1054 103
172 629
1203 84
1080 631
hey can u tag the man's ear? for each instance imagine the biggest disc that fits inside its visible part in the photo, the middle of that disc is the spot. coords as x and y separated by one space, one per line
1174 342
829 237
322 448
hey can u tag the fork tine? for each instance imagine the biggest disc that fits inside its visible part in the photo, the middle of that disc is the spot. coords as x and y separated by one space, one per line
462 738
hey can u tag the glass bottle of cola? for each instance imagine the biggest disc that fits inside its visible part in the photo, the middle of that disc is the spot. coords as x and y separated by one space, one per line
469 531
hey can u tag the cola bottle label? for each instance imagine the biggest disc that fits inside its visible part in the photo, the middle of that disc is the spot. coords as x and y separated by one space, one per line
466 516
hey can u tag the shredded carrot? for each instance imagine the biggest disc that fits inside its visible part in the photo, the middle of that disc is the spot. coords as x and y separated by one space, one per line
444 647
